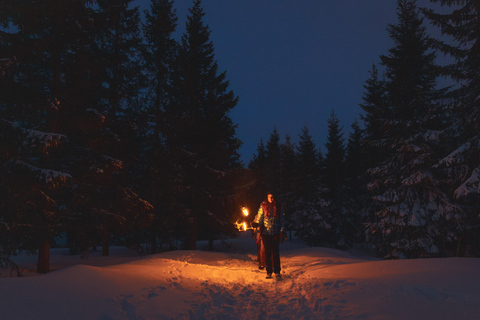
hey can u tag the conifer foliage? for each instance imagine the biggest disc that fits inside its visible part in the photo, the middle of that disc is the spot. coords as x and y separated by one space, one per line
61 165
88 145
410 203
200 135
462 164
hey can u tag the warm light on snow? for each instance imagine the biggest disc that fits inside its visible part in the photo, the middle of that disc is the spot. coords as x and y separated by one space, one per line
317 283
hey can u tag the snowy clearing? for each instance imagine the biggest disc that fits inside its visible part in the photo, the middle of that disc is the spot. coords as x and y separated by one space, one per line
317 283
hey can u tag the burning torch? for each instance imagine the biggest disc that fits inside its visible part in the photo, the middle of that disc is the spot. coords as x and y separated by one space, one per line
245 225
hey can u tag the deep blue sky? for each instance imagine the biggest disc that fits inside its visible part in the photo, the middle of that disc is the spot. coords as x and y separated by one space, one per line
292 62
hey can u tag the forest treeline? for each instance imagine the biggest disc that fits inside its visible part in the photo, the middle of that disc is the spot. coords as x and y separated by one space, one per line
406 181
113 130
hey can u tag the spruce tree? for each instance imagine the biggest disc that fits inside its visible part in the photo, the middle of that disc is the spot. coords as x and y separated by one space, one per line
160 188
287 179
335 178
119 44
273 163
258 166
355 170
42 40
375 118
411 211
259 159
355 162
334 158
200 135
462 165
310 218
56 91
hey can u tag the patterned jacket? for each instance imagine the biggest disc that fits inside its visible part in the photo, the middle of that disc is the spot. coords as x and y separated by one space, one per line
271 225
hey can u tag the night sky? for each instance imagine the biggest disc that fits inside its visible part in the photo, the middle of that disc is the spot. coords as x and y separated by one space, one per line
292 62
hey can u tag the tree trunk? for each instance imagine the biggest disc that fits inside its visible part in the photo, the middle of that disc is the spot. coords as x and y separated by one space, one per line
191 236
43 262
106 241
153 242
210 244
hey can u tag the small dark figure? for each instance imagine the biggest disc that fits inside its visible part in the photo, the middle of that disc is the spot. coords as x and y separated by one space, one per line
257 235
271 220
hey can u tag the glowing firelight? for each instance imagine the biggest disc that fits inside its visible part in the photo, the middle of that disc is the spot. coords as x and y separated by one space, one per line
242 225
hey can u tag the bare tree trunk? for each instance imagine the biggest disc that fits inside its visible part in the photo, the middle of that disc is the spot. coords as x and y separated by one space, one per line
43 262
210 244
153 242
191 236
106 241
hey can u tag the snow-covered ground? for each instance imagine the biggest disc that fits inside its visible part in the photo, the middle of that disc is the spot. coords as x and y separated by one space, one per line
317 283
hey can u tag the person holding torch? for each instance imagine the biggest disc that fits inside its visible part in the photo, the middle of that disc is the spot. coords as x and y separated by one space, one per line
271 220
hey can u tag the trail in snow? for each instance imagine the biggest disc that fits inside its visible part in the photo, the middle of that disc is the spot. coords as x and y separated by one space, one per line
318 283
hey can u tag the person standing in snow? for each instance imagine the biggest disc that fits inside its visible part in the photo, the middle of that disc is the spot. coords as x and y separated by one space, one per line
257 235
271 219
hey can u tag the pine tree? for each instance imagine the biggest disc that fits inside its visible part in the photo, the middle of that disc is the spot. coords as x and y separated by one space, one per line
160 188
375 118
462 165
355 163
288 172
340 207
259 159
258 166
334 157
310 218
355 170
412 211
161 23
273 163
56 91
199 133
42 40
118 49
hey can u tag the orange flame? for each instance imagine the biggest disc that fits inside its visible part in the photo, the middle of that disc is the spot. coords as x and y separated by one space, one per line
242 226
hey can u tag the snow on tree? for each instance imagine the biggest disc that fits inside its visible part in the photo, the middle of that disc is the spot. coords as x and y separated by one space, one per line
461 26
413 216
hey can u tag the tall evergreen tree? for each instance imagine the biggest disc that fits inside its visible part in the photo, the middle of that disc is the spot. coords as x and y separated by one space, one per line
119 45
412 211
462 165
288 172
335 175
258 166
335 158
375 118
199 132
161 49
259 159
310 218
273 163
355 163
42 40
55 94
355 170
